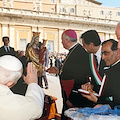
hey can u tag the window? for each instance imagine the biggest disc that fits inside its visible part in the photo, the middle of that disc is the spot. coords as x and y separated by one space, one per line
110 13
72 10
84 12
102 12
50 45
63 9
118 13
52 9
52 1
23 44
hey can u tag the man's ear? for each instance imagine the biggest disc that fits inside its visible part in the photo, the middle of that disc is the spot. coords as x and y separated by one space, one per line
91 44
10 84
118 52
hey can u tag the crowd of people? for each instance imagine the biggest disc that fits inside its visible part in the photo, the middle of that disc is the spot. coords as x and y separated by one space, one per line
84 66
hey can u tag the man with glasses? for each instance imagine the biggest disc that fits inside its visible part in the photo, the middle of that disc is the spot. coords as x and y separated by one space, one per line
117 32
111 56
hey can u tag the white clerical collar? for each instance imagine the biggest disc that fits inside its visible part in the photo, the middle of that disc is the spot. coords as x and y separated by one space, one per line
73 45
115 63
111 65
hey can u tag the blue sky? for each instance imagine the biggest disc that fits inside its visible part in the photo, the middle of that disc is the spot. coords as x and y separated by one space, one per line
110 3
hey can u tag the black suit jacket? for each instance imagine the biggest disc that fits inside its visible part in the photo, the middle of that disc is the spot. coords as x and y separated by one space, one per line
77 67
112 87
11 52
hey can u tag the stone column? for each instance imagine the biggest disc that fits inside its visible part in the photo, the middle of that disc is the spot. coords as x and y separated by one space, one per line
107 36
40 6
61 48
41 33
112 36
12 37
58 8
4 30
34 28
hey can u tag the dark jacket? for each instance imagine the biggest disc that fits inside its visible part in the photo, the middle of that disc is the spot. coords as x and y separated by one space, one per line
77 67
111 90
11 52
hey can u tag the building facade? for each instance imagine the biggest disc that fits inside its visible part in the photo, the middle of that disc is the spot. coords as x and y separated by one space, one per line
19 18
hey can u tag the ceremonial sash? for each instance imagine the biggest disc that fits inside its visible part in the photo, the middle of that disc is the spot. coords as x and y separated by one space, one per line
93 67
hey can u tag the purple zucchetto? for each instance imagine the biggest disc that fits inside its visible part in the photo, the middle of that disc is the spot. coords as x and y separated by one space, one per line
71 33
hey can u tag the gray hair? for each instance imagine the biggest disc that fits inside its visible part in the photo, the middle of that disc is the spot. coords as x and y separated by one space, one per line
8 75
70 39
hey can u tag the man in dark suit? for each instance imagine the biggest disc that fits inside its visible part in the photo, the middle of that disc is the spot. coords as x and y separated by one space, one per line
75 66
6 49
92 43
110 93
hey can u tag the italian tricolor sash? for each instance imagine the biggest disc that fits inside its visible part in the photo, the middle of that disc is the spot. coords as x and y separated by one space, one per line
93 66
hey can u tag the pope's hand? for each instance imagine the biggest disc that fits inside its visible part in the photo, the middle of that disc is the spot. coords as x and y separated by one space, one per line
31 76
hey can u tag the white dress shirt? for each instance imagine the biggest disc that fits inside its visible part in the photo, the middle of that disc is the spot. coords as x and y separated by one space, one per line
98 55
7 48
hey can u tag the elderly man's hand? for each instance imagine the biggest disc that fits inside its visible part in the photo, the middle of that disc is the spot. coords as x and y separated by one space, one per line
53 70
31 76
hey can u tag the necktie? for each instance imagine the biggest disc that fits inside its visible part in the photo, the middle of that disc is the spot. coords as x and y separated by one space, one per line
7 49
96 60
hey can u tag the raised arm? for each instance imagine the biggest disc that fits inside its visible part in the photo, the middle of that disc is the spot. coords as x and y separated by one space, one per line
34 94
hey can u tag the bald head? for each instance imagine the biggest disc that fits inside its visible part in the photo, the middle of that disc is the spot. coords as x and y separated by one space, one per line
10 70
117 31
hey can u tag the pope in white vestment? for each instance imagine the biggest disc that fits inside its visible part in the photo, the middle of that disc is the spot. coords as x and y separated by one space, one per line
14 106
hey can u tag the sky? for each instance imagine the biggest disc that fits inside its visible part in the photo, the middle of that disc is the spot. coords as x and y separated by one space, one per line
110 3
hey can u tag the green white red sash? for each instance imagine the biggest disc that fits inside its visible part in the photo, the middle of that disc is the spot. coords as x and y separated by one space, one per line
93 66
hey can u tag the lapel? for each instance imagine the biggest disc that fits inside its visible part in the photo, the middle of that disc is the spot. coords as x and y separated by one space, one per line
4 49
101 68
9 48
96 60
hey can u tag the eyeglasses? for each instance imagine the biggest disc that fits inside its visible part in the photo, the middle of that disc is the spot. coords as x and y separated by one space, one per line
106 52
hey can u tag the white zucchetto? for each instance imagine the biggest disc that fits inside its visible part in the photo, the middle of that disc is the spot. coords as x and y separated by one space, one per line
10 63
